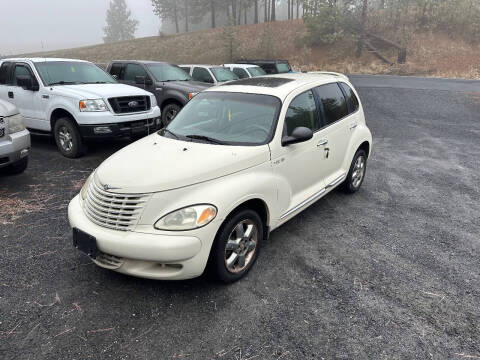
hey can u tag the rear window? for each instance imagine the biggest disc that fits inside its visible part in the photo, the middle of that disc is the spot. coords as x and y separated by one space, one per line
333 101
352 100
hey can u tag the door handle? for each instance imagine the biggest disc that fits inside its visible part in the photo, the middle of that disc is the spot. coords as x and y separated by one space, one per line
10 95
322 142
353 126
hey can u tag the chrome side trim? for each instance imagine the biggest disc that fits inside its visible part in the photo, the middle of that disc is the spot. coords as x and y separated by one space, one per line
304 203
336 181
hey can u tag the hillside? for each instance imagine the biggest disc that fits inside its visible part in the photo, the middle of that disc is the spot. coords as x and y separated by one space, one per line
428 54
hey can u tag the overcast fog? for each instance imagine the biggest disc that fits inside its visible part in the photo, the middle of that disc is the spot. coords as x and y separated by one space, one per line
30 25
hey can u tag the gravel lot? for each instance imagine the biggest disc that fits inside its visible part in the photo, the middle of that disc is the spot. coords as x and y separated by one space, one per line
392 272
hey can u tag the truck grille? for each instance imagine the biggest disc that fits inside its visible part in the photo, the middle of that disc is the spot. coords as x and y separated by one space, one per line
130 104
112 210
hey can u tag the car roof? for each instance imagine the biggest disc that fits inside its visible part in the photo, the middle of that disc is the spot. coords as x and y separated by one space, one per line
279 85
243 66
139 61
38 60
202 65
253 61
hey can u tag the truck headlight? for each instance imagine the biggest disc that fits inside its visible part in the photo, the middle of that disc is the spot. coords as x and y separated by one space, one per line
153 101
15 124
96 105
188 218
84 191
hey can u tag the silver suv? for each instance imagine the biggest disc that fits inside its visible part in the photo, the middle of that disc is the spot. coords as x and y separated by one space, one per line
14 140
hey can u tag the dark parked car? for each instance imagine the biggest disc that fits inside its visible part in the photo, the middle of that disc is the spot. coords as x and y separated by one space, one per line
270 66
172 86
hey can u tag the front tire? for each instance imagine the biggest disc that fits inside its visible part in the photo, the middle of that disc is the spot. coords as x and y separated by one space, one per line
67 138
169 112
17 167
356 175
236 246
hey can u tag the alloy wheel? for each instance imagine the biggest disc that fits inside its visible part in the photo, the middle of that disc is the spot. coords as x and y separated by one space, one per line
66 138
358 171
241 246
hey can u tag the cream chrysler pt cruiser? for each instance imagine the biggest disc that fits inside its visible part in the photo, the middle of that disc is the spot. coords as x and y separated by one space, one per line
238 161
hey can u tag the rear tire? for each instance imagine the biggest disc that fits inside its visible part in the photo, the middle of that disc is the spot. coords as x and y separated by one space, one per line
236 246
67 138
17 167
168 113
356 174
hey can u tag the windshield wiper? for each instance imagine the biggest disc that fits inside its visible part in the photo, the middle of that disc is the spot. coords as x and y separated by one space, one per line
98 82
65 83
205 138
170 132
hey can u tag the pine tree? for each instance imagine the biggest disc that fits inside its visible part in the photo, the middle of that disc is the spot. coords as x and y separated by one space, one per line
120 25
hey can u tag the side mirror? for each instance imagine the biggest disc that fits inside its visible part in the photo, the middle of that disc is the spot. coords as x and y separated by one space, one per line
300 134
26 82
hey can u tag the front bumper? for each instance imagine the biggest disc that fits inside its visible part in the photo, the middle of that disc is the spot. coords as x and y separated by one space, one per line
147 255
14 147
107 125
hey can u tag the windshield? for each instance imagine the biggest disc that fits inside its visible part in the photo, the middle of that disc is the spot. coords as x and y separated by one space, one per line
256 71
167 72
283 68
227 118
71 72
223 74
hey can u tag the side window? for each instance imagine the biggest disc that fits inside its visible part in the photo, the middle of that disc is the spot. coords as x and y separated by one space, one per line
241 73
302 112
4 73
132 71
334 104
186 69
202 74
352 99
116 70
270 68
21 70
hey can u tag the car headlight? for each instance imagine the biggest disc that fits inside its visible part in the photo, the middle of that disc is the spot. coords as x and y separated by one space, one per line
15 123
188 218
84 191
96 105
153 101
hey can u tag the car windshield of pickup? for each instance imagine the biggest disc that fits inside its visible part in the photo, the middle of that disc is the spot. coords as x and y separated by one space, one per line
226 118
167 72
72 73
223 74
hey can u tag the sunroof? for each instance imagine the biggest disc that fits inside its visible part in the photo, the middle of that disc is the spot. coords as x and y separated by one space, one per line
271 82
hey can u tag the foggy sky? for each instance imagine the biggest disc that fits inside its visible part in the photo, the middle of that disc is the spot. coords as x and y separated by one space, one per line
25 24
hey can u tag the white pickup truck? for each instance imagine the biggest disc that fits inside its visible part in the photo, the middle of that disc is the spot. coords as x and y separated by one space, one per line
76 100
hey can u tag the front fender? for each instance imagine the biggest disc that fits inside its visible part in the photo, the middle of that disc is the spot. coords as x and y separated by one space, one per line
175 95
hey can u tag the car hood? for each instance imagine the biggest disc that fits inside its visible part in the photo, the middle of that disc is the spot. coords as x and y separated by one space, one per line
187 86
7 109
156 163
98 91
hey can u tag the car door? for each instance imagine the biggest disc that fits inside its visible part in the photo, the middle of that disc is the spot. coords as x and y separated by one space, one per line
4 80
28 102
130 74
203 75
335 133
301 165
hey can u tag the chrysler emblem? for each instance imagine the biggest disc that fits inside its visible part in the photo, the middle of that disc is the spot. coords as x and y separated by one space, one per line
133 104
107 187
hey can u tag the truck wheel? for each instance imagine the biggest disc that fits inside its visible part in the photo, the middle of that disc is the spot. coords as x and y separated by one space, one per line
357 173
68 138
169 112
18 167
236 246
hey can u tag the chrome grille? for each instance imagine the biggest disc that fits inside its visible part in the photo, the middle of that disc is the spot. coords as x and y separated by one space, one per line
130 104
113 210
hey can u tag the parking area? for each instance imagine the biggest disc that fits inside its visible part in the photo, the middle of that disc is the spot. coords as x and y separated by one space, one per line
391 272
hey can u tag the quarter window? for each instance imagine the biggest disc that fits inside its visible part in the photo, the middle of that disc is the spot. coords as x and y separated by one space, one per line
4 73
201 74
333 101
241 73
302 112
352 99
134 70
